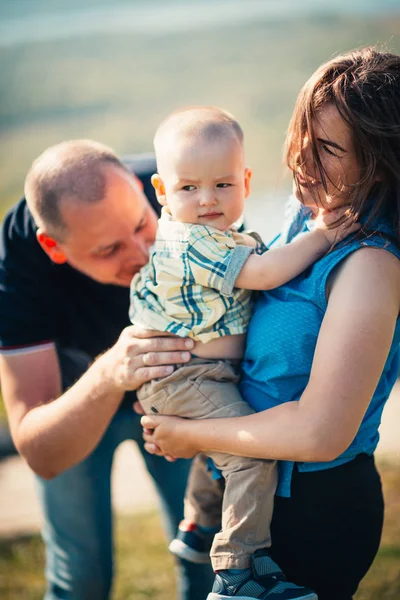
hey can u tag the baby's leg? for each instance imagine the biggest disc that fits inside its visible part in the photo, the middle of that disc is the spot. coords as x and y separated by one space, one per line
250 486
203 498
246 511
202 514
207 389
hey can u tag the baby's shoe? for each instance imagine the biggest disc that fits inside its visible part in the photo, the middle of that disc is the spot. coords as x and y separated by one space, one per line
264 581
193 543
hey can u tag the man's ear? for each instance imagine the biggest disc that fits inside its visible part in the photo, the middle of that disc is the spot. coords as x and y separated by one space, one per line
51 247
158 185
247 178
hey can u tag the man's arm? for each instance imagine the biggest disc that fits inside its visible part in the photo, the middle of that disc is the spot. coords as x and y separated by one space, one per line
54 430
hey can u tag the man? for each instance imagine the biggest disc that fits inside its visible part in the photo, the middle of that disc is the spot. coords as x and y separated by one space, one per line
67 255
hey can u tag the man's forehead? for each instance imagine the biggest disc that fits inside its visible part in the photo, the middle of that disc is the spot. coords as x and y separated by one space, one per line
123 202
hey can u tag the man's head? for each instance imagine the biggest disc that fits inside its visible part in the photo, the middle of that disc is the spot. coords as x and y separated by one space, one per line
202 177
90 211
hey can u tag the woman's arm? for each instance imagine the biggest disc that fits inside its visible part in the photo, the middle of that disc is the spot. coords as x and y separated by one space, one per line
54 430
351 351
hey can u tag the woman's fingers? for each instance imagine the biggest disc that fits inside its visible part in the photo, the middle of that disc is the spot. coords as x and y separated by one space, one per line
168 436
154 449
150 421
147 435
149 425
169 458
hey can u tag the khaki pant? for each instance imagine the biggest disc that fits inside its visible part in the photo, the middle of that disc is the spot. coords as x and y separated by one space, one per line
206 389
204 495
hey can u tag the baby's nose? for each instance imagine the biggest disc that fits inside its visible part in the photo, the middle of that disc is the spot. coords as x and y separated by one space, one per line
208 198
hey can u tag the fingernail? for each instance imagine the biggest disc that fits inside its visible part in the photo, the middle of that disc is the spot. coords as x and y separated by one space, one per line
185 356
189 343
169 370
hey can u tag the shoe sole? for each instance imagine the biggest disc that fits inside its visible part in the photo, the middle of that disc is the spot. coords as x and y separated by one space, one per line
213 596
182 550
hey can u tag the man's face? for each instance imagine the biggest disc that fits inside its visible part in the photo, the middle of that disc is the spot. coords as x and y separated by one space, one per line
109 240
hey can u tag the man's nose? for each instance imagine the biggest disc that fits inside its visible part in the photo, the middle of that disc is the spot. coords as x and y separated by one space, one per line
139 248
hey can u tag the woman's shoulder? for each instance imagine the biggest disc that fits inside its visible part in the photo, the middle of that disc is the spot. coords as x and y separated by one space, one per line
364 257
369 258
373 271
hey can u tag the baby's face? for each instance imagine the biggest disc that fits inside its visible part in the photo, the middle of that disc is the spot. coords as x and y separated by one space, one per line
205 182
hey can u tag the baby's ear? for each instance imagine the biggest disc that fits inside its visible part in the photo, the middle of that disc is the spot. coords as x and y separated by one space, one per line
158 185
247 178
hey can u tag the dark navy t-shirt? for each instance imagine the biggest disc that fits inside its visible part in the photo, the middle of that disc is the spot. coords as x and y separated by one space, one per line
41 301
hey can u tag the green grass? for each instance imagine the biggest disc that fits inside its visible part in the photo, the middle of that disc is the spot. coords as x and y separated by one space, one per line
3 416
141 550
383 580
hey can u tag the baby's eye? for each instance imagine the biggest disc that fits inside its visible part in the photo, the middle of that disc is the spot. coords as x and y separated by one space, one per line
223 185
188 188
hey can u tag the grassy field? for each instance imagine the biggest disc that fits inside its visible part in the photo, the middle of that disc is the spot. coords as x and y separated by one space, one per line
116 88
141 550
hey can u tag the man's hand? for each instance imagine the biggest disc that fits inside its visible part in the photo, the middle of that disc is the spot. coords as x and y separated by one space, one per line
139 356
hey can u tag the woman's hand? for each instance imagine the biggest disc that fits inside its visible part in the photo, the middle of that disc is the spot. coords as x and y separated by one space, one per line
139 356
169 436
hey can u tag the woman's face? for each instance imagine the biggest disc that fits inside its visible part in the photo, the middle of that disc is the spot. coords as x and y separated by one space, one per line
336 151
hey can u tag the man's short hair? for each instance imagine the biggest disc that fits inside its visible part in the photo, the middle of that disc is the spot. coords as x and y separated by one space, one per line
75 169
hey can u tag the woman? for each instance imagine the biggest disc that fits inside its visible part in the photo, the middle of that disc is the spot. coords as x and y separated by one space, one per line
323 350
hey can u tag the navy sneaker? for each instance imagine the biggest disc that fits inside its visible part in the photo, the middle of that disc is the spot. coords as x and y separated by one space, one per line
191 543
264 581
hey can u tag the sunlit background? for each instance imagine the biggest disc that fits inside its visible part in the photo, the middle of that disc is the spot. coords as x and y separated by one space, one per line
111 70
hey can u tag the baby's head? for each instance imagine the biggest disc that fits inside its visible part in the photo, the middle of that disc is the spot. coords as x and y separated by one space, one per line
202 177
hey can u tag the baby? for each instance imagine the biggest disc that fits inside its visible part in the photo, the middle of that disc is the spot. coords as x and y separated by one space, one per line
197 283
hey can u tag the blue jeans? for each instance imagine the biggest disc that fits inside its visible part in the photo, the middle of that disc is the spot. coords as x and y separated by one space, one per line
78 517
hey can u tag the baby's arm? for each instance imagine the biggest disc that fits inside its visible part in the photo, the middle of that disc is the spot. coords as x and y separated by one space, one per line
279 265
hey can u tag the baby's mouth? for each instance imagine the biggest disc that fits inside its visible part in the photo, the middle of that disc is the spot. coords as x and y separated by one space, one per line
211 215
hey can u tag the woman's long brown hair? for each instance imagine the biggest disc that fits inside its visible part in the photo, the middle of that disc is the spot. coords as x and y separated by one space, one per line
364 86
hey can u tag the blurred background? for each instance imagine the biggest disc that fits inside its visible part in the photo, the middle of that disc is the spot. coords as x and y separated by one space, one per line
111 71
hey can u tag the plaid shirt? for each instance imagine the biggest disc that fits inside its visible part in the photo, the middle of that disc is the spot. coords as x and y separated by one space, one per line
187 287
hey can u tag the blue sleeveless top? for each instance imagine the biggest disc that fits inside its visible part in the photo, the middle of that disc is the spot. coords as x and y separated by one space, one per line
282 336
